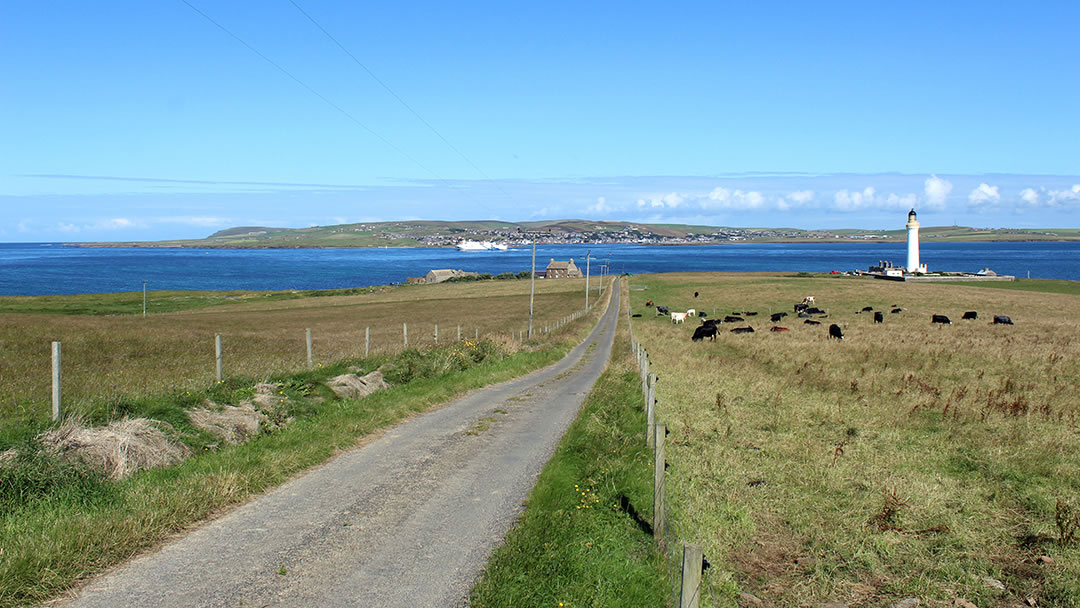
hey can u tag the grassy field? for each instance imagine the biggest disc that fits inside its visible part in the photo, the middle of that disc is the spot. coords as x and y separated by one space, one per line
908 460
61 523
583 542
109 358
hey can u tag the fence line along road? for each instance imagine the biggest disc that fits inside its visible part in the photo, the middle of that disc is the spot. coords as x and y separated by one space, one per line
407 520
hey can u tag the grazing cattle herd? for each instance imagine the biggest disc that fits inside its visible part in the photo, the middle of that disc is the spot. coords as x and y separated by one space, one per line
805 310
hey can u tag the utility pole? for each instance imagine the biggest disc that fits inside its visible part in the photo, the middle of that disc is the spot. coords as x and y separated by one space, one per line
532 286
587 280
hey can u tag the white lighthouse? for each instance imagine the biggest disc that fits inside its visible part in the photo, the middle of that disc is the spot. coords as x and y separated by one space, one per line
913 265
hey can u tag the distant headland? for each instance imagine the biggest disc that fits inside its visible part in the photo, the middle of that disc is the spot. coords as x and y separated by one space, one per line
418 233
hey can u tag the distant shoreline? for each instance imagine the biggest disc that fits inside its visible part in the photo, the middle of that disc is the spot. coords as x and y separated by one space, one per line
835 241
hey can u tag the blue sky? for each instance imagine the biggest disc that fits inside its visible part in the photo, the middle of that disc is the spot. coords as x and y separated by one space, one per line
133 120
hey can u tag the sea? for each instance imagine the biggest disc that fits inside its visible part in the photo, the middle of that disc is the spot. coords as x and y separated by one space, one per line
30 269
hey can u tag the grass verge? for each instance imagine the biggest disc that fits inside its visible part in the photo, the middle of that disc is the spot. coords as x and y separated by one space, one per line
584 539
59 524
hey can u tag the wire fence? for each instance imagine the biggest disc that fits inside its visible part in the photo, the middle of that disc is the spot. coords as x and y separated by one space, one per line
688 567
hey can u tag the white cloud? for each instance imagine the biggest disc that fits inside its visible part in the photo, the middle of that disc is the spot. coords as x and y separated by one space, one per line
722 198
24 226
118 223
652 203
937 190
1059 198
801 197
720 194
600 206
984 194
673 200
847 200
901 201
1029 196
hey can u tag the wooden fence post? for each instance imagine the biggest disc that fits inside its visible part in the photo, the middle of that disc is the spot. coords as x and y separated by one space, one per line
459 332
310 360
650 411
56 381
477 334
645 376
436 333
367 341
691 575
659 518
217 355
405 333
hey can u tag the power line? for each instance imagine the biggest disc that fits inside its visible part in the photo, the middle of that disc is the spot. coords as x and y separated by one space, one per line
390 91
399 99
313 91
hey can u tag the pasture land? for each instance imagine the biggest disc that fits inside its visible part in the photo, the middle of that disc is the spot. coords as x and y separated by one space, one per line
111 357
908 460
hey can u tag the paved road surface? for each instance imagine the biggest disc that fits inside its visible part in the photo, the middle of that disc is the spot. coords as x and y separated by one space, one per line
407 520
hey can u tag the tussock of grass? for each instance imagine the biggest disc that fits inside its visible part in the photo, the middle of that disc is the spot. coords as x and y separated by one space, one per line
118 449
581 542
907 460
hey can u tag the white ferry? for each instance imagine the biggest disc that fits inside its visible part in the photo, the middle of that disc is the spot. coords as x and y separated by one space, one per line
481 246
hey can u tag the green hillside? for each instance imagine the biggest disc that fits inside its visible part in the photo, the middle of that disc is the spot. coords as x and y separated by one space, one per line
435 233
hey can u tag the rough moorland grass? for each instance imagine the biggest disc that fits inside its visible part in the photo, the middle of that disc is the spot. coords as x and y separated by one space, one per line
65 525
909 460
109 358
578 544
1038 285
131 302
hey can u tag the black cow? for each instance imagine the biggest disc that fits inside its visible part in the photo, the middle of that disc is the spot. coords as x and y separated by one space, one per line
662 310
776 317
867 309
801 307
636 315
812 322
971 315
703 314
896 310
834 332
940 319
750 314
743 330
813 310
695 294
713 322
704 331
805 315
1002 320
879 317
731 319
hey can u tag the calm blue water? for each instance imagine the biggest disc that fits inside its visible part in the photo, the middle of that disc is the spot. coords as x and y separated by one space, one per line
44 268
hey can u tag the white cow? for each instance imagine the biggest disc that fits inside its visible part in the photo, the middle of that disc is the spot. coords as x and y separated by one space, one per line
678 317
691 312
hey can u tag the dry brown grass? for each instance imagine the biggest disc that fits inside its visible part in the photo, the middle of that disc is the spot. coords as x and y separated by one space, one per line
118 449
109 357
908 459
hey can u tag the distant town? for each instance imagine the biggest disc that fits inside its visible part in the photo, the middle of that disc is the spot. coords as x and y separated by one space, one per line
418 233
